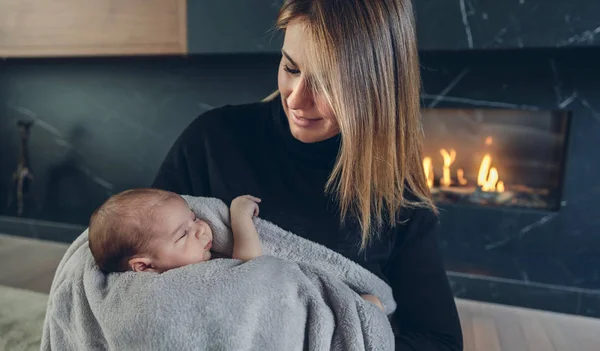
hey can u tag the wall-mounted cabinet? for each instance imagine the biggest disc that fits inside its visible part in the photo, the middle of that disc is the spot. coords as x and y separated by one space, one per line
33 28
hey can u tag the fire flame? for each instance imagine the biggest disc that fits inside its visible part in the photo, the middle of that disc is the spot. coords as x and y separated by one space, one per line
448 160
484 169
428 168
460 174
488 177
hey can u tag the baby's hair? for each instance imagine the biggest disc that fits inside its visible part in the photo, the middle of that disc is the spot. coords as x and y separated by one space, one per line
119 229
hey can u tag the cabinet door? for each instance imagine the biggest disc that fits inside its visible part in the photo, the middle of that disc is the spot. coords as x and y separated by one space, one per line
92 27
233 26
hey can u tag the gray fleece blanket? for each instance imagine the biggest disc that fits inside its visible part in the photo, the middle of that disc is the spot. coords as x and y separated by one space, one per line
298 296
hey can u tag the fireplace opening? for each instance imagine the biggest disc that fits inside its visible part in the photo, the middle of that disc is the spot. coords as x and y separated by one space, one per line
495 157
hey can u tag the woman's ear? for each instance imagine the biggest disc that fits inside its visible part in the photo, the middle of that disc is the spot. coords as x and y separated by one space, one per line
141 264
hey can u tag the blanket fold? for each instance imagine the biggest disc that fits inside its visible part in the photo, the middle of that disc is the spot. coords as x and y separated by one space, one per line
298 296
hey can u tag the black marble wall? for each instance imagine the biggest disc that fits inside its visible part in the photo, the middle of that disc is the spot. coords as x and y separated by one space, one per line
507 24
241 26
104 125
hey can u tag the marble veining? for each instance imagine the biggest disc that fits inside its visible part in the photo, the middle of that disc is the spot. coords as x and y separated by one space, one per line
474 102
498 37
536 224
466 24
579 271
497 244
497 280
588 106
566 102
588 36
449 88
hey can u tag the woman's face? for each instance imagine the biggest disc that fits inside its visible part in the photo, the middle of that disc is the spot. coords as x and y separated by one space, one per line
310 117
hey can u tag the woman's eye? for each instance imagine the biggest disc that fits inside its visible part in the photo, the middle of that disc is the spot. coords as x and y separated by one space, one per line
291 70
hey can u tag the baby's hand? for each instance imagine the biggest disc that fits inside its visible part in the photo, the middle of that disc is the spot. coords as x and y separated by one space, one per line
245 206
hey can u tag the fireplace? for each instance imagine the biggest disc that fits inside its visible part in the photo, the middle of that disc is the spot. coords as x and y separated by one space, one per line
495 157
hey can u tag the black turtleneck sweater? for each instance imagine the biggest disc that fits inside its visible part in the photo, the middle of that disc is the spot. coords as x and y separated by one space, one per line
249 149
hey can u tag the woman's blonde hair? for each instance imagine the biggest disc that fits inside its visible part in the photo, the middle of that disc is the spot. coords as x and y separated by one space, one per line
363 61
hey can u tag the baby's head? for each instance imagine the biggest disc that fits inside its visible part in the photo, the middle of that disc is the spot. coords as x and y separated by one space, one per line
147 230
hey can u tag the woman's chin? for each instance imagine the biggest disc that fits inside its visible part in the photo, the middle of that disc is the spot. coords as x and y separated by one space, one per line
306 135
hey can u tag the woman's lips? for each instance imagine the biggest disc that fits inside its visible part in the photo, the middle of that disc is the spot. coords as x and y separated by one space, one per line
304 122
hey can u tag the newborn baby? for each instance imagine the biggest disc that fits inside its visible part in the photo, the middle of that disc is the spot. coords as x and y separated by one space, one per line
154 230
151 230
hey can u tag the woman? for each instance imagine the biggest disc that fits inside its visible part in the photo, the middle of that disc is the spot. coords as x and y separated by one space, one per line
335 155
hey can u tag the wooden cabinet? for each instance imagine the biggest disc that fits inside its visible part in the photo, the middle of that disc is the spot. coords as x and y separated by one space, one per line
30 28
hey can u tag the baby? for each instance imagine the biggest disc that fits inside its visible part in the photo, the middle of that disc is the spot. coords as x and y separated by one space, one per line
151 230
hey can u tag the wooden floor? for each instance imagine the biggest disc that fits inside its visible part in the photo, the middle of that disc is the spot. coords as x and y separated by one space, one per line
489 327
30 264
27 263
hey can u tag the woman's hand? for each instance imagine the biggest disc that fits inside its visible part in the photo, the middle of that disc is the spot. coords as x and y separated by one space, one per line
373 299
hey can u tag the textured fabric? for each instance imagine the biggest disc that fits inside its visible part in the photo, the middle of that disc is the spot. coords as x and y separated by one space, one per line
299 295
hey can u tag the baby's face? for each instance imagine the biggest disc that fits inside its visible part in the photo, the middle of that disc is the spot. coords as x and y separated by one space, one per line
182 238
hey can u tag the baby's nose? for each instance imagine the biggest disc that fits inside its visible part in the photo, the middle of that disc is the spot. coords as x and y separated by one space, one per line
200 232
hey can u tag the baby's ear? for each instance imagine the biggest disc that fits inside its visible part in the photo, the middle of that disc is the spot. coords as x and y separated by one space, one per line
141 264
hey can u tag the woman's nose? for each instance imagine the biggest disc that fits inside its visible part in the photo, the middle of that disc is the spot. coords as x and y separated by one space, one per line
301 96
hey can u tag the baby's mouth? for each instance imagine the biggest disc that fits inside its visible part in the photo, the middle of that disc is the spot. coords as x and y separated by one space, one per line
208 246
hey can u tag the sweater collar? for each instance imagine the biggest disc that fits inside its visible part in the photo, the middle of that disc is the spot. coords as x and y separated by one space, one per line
322 154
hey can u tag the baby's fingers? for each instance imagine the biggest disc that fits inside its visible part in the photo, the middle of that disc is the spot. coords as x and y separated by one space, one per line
252 198
256 210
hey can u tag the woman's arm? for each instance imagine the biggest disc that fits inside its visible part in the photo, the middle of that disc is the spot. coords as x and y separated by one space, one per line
426 316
